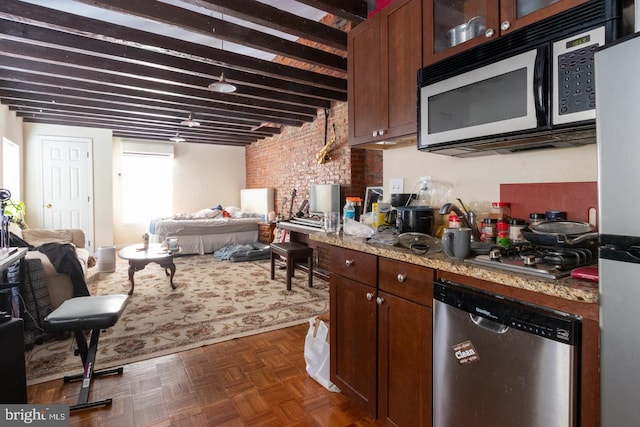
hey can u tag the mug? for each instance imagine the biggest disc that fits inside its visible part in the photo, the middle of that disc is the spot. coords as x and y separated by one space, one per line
456 242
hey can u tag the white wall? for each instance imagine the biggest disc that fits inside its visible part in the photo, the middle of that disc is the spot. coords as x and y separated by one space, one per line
10 128
204 176
101 141
479 178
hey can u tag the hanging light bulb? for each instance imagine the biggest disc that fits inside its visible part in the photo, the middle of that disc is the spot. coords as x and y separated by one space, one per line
222 86
177 138
190 122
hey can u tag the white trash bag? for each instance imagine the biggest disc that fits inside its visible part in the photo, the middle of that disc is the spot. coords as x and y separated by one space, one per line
316 353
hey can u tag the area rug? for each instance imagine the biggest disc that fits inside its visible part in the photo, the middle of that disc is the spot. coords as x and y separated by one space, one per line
213 301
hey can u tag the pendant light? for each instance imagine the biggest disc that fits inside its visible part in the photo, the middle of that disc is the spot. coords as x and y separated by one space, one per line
222 86
190 122
177 138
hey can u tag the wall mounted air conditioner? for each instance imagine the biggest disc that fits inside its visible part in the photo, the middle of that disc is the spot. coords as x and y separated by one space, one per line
142 148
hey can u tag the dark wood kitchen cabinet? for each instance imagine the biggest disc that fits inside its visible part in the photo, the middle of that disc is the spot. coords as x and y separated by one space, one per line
404 343
479 21
353 282
381 322
384 55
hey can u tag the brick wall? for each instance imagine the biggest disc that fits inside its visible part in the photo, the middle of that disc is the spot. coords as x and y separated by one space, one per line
288 161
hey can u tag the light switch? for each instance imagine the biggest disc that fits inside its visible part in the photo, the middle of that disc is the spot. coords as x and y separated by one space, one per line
396 185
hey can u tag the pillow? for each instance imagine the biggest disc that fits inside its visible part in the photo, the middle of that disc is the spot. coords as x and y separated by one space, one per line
207 213
40 237
232 210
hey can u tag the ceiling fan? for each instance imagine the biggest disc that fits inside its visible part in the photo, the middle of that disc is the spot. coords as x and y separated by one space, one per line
190 122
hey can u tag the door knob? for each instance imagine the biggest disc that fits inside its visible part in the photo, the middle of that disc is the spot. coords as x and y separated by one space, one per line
379 300
369 296
48 206
402 277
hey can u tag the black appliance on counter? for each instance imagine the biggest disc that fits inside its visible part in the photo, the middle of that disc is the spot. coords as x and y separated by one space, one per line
532 88
414 219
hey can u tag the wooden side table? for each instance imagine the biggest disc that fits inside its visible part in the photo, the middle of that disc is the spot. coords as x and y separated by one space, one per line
266 232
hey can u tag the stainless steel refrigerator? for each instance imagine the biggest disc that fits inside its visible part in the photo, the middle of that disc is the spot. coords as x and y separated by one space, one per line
617 68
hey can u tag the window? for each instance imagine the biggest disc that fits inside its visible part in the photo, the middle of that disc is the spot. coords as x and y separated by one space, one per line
147 188
11 168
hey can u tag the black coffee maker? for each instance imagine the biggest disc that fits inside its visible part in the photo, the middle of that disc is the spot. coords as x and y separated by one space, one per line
407 218
414 219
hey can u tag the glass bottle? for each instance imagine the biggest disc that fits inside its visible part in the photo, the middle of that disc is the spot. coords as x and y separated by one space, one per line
489 226
500 210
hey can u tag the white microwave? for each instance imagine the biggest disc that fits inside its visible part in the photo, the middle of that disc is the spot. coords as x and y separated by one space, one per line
510 99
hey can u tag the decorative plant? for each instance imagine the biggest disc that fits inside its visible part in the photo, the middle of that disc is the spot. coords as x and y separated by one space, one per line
15 210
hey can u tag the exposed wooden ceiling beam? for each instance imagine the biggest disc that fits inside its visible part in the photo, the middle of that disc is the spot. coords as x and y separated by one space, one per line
277 19
209 26
351 10
95 69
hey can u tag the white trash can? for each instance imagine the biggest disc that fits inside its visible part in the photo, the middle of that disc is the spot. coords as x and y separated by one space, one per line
106 259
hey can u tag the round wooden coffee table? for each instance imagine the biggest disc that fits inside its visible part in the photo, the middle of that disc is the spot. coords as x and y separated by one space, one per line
139 257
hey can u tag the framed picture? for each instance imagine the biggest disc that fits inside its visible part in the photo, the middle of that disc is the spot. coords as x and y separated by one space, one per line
371 196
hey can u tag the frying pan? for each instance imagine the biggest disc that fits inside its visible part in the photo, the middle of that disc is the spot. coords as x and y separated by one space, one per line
561 233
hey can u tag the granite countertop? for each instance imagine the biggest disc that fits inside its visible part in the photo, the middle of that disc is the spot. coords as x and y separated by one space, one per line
567 288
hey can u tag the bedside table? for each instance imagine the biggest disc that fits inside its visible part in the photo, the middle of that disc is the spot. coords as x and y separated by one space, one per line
266 232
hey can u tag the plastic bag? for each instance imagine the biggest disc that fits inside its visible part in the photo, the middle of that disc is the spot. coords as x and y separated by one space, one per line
316 353
355 228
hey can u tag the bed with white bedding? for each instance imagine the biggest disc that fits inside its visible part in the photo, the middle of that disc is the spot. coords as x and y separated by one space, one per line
210 229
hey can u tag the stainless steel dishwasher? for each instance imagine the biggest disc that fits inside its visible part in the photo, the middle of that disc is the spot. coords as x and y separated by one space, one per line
498 362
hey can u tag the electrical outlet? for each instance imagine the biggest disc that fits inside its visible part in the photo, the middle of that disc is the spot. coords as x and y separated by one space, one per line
396 185
425 182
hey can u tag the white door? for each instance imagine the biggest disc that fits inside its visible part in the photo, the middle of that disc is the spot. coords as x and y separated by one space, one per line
67 186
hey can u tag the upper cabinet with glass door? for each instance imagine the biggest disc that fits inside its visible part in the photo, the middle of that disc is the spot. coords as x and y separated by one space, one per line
452 26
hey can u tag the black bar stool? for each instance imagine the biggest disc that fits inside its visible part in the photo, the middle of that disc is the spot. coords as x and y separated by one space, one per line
292 252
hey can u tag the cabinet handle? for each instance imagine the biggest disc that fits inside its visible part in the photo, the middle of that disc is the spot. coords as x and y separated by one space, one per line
505 25
369 296
381 132
375 133
489 32
379 300
402 277
348 262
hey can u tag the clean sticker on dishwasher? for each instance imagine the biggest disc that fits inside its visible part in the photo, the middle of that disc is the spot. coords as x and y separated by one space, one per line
465 353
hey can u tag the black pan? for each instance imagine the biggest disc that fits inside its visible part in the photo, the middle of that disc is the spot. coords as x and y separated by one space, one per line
561 234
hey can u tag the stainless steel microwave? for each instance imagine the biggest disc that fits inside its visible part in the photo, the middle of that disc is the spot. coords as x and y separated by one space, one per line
505 99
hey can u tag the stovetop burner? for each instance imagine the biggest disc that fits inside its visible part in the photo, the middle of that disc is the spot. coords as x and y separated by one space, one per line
546 262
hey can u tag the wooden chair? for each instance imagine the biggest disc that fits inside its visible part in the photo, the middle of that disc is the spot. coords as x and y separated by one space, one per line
292 252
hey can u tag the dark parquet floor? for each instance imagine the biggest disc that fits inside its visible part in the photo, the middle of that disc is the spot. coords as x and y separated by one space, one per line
254 381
